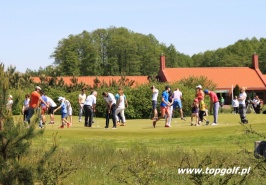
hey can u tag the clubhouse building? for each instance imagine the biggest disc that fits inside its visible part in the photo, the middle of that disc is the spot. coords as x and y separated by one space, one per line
224 77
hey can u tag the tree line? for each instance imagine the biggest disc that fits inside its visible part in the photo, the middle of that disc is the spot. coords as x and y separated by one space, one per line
115 51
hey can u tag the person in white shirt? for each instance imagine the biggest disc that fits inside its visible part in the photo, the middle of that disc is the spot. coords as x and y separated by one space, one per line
89 108
256 104
118 117
25 107
155 93
9 103
69 111
52 107
111 105
242 105
122 104
177 97
235 105
81 100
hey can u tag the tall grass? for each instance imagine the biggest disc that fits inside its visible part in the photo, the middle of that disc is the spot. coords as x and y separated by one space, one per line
141 154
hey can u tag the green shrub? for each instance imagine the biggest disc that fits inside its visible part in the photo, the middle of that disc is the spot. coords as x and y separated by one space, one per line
139 98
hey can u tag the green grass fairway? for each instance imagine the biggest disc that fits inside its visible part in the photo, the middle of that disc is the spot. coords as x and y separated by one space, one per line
140 154
227 135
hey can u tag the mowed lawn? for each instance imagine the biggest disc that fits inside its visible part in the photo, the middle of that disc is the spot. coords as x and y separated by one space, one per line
229 135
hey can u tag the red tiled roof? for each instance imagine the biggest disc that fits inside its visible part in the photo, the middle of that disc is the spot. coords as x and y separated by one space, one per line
89 80
224 77
264 76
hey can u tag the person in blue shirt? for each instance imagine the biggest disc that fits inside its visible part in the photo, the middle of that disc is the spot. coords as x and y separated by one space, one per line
64 115
164 107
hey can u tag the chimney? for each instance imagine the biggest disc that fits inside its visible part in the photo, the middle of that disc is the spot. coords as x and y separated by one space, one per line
255 61
162 62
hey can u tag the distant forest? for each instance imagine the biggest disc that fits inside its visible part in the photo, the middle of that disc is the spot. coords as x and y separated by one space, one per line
119 51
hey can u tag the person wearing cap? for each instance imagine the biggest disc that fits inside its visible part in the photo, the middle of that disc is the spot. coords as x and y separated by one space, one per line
202 106
111 106
199 93
177 97
214 105
165 104
63 108
90 108
35 99
69 112
81 100
9 103
195 112
155 93
242 105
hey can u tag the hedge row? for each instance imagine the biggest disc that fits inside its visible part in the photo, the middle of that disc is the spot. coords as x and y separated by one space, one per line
139 99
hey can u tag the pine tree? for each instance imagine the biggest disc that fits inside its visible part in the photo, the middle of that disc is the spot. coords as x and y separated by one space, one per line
236 90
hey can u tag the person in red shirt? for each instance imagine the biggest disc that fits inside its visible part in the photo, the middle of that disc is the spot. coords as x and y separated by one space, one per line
214 105
35 99
199 93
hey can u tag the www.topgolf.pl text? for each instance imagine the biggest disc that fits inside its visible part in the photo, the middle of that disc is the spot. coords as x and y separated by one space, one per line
215 171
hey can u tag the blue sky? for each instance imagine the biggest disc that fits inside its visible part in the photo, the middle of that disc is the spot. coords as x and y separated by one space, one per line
30 30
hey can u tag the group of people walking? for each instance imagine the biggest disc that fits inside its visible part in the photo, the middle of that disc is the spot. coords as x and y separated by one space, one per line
199 109
254 105
172 100
38 101
116 105
115 108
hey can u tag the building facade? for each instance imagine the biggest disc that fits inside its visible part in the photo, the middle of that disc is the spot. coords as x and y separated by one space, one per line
226 78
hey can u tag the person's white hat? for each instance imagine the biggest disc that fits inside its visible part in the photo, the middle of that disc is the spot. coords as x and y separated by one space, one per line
60 98
37 87
199 87
10 96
